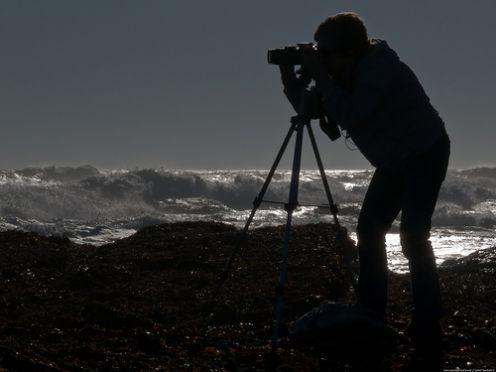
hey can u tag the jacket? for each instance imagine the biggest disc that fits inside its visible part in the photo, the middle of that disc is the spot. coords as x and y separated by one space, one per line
387 113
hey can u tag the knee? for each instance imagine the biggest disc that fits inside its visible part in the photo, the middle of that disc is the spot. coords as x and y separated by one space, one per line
371 249
415 244
370 234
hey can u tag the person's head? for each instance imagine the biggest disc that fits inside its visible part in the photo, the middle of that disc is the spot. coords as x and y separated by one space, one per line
341 41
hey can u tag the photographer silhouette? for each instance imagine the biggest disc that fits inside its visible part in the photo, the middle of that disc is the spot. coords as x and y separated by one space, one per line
377 99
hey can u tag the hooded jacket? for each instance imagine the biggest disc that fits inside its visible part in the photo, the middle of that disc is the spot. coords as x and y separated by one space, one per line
387 113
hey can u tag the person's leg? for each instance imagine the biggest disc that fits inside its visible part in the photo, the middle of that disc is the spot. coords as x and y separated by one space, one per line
380 207
423 178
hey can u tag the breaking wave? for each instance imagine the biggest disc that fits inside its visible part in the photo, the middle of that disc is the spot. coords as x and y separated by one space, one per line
86 201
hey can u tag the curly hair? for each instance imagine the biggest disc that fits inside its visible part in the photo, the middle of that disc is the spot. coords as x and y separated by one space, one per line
346 30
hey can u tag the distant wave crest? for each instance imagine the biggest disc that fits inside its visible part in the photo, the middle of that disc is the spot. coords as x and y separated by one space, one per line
138 197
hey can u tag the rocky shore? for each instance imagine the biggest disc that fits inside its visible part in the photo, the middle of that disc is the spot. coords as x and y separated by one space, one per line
137 304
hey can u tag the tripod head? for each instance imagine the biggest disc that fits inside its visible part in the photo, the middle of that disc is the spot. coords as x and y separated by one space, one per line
310 107
306 99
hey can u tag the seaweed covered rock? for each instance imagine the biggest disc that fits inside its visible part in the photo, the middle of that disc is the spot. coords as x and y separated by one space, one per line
137 304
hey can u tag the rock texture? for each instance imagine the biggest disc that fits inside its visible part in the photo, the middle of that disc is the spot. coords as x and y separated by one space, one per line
138 304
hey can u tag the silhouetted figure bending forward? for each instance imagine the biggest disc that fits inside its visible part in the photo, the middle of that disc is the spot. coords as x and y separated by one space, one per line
371 94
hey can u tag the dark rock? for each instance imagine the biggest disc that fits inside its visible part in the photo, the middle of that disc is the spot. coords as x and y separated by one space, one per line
138 304
15 361
149 343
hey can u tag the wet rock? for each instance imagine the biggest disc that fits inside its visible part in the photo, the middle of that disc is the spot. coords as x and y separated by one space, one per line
18 362
138 304
483 338
104 315
149 343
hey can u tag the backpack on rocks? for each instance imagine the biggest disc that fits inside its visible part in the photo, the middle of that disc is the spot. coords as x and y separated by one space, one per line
345 329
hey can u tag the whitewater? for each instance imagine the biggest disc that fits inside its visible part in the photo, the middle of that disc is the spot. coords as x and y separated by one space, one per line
97 206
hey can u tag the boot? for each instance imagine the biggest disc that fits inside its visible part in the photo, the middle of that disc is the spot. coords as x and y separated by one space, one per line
425 338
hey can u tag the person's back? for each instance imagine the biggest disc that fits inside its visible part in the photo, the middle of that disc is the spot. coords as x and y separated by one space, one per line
390 119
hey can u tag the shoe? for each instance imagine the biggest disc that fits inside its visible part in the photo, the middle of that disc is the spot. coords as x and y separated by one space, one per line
426 339
425 361
421 333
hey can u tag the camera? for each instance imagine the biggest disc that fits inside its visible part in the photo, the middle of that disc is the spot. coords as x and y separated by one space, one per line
290 55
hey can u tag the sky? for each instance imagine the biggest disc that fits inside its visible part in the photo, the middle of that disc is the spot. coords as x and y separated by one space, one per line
185 84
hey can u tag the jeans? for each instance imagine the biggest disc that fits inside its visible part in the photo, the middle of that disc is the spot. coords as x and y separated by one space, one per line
413 190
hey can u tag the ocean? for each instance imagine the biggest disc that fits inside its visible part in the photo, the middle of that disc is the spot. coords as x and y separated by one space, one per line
97 206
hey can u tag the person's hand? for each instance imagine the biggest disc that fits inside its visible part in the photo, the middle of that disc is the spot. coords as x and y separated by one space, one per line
292 79
295 82
312 65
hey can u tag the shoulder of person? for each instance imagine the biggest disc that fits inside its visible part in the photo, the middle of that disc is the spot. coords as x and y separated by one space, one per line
379 60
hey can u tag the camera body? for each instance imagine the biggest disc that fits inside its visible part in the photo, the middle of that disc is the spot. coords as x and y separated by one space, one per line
290 55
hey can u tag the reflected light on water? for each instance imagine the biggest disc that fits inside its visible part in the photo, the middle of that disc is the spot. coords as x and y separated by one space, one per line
447 244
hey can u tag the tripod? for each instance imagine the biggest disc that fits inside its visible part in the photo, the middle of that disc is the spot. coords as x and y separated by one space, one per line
298 124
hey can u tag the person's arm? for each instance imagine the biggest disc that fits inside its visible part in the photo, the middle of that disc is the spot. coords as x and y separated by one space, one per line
352 110
293 84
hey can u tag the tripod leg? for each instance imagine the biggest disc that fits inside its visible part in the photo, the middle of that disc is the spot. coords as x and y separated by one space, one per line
345 253
256 203
290 207
332 206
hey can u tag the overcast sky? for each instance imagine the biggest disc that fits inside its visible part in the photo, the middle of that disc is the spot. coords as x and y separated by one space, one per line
185 84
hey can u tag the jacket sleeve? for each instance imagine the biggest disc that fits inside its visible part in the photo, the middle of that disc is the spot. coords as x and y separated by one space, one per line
352 110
